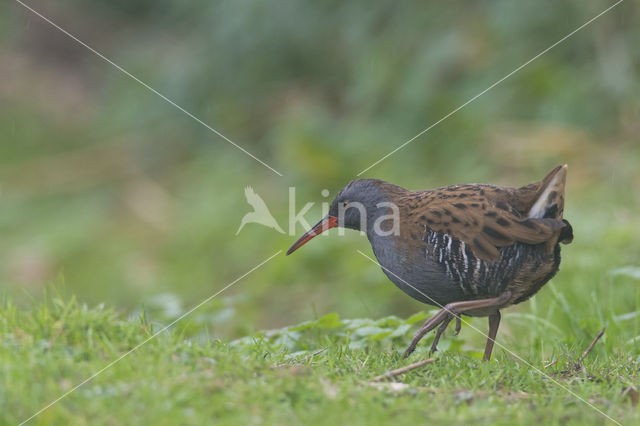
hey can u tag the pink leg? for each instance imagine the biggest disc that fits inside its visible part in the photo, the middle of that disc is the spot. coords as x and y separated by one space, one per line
454 309
494 322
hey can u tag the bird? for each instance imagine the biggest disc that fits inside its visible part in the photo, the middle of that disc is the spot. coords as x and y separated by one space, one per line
470 249
260 213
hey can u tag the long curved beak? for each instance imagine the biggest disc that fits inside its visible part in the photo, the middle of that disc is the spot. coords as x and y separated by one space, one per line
325 224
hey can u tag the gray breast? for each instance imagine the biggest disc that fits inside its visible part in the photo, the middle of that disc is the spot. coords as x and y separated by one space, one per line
416 274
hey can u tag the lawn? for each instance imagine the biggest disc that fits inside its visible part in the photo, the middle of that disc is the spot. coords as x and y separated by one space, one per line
318 372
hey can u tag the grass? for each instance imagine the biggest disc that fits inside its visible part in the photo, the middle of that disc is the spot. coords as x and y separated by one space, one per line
318 372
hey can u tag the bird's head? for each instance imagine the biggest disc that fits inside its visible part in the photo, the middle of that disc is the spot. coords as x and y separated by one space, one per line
356 206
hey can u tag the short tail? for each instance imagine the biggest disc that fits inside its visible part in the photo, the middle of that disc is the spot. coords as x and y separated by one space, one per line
549 203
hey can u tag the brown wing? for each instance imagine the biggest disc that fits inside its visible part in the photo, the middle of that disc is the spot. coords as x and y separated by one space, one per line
481 217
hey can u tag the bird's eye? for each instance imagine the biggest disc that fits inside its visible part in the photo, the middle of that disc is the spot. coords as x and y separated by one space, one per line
345 203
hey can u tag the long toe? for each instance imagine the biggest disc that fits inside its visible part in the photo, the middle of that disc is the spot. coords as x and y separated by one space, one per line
408 351
442 315
458 326
441 329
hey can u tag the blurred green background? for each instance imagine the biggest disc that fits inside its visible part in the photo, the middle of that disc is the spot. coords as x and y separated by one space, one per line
110 193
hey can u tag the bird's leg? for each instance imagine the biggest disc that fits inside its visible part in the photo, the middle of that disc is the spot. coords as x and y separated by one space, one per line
494 322
441 329
455 309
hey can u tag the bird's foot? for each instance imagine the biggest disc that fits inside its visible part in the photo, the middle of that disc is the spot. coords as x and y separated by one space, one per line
454 309
458 326
444 316
441 329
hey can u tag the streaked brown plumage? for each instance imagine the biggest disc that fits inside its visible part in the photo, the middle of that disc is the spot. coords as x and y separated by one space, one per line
470 249
485 217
